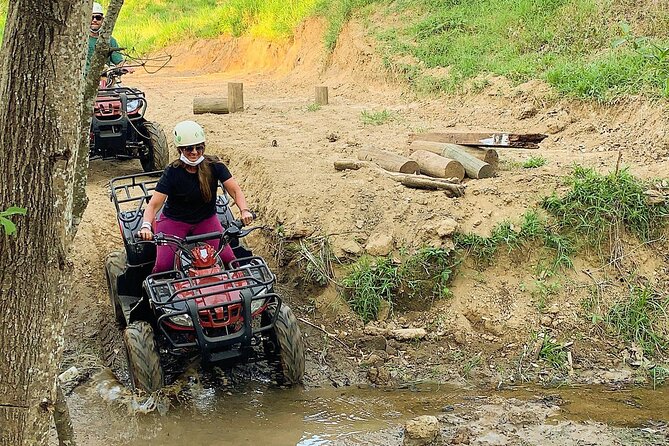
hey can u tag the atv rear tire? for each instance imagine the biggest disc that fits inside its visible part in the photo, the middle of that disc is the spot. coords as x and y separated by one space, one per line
115 266
158 153
141 350
287 357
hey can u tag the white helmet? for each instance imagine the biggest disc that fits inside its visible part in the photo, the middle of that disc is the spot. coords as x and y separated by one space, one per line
188 133
97 8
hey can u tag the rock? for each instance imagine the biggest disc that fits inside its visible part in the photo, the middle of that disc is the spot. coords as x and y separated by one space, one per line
379 244
407 334
527 112
351 247
377 342
421 431
447 227
384 311
546 321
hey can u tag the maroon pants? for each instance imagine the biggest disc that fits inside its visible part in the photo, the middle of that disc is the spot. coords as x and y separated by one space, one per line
165 253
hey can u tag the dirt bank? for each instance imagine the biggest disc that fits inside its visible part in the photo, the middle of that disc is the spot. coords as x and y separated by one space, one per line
282 152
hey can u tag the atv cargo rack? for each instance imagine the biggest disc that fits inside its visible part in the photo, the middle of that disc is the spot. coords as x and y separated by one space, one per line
172 289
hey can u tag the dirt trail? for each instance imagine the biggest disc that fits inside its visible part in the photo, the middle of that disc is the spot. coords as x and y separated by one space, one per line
282 153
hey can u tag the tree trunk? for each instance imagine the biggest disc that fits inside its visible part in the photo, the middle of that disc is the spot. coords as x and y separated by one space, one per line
90 90
322 95
235 97
474 167
485 154
40 97
210 105
389 161
437 166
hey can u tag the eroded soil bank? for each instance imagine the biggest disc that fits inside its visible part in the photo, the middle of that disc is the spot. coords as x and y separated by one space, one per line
282 152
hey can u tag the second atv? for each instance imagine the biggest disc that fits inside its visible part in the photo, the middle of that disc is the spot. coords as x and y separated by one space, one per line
119 129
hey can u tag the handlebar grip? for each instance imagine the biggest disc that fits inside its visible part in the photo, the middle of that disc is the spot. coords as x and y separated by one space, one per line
203 237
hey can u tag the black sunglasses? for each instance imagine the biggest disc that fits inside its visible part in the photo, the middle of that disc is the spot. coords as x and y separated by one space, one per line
98 17
199 148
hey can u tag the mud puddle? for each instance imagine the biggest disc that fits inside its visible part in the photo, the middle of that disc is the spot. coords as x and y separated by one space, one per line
256 413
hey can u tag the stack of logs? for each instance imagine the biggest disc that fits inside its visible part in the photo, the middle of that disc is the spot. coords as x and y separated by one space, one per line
443 159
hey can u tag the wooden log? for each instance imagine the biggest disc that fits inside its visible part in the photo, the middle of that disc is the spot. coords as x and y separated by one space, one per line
437 166
389 161
210 105
485 154
235 97
321 95
348 164
487 139
449 186
474 167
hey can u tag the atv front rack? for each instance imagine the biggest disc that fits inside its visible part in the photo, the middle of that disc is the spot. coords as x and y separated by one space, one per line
249 276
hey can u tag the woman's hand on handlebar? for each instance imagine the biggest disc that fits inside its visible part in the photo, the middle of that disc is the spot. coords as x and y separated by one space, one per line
145 234
247 217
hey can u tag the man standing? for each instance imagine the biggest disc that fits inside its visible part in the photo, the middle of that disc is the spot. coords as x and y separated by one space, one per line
115 58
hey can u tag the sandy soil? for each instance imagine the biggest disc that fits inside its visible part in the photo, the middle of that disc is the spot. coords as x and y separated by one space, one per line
282 154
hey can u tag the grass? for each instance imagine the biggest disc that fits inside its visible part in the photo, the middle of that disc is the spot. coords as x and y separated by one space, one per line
534 162
314 107
376 118
597 206
553 353
641 319
423 276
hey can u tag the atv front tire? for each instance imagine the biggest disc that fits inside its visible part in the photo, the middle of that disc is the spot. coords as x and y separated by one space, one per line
287 355
141 350
158 153
115 266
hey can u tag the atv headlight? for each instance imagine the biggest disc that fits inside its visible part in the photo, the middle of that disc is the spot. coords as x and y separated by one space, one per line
133 105
182 319
257 304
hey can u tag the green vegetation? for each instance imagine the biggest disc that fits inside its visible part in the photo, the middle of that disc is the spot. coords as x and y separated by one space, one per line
641 319
315 258
313 107
599 206
534 162
376 118
424 275
6 224
553 353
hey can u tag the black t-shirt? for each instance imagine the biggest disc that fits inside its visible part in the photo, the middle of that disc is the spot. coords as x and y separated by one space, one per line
184 198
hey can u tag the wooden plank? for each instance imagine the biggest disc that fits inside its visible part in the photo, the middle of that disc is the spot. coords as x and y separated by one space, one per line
487 139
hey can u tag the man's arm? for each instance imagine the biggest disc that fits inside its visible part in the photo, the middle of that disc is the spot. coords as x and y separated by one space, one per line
115 57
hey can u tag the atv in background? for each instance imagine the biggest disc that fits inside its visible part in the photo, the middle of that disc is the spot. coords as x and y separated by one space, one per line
119 129
223 313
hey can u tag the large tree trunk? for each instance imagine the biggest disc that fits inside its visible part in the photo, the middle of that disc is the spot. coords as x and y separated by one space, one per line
40 103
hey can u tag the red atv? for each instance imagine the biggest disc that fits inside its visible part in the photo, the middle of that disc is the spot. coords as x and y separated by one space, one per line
118 128
223 313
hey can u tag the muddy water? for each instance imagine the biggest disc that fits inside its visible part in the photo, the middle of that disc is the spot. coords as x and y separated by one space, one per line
256 413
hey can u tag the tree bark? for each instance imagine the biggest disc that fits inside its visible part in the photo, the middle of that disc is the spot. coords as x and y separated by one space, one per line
235 97
437 166
40 96
389 161
90 90
210 105
322 95
485 154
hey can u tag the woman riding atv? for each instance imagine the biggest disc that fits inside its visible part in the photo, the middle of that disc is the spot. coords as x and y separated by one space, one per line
188 188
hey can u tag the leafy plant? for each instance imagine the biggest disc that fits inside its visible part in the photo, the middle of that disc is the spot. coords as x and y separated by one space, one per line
376 118
313 107
553 353
8 225
534 162
370 282
428 273
641 319
655 54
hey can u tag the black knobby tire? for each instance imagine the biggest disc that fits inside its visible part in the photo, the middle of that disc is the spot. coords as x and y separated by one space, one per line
158 153
141 350
115 266
110 341
287 357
